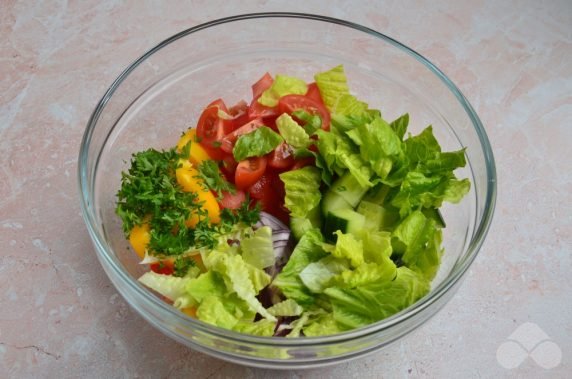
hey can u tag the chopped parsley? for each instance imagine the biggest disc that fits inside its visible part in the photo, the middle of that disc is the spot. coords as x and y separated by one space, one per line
150 193
182 265
210 174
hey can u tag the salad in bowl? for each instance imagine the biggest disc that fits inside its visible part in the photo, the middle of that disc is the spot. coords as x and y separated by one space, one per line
302 212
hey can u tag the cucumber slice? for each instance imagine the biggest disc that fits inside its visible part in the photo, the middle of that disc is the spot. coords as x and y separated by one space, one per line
348 187
346 220
377 194
332 201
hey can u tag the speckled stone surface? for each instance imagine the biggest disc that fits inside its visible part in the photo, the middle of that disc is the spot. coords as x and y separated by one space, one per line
61 317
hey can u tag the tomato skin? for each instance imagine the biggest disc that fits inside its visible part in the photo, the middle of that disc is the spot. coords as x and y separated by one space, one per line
262 189
164 268
249 171
314 93
257 110
228 167
211 129
281 158
299 163
239 113
291 103
228 141
232 200
261 85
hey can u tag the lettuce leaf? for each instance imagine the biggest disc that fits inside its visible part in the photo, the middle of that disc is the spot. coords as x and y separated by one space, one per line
236 274
293 134
332 84
213 311
283 85
365 274
262 327
322 325
379 145
400 124
361 306
172 287
349 247
418 239
302 189
257 249
287 307
257 143
308 250
376 246
318 275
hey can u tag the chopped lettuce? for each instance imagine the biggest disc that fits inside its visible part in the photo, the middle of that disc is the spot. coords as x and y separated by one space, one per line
309 249
317 275
302 188
349 247
259 328
366 273
366 304
213 311
332 84
283 85
236 274
287 308
257 143
257 249
400 124
418 239
322 325
172 287
293 134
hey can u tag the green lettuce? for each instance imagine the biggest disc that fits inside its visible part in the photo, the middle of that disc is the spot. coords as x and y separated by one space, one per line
293 134
262 327
283 85
257 143
309 249
213 311
348 247
257 249
418 239
332 84
302 189
237 277
172 287
366 304
287 307
318 275
322 325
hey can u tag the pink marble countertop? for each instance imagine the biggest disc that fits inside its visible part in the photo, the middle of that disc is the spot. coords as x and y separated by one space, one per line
61 317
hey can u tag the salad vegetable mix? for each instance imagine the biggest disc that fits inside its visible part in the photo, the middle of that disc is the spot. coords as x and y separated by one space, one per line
303 213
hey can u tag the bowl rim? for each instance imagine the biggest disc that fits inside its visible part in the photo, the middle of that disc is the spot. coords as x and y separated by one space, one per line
459 269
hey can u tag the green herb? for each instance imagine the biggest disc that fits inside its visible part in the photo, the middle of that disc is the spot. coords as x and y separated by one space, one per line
210 174
149 190
182 266
256 143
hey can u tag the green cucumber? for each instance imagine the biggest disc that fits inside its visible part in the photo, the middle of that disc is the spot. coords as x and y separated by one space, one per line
348 187
346 220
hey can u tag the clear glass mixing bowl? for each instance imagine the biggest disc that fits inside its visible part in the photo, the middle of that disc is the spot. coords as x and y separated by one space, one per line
162 94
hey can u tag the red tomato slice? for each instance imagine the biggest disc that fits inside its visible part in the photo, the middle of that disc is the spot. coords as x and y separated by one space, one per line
262 189
239 113
228 167
261 85
291 103
249 171
314 93
165 268
281 158
257 110
227 142
232 200
211 128
299 163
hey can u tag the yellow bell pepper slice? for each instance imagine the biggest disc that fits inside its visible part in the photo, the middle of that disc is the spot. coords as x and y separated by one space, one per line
139 238
197 153
187 177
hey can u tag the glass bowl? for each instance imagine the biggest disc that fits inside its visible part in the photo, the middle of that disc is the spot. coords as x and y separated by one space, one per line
162 93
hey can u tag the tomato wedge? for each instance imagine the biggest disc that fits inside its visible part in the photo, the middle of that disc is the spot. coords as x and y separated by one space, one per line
211 128
228 141
314 93
261 85
232 200
239 113
165 267
249 171
281 158
257 110
291 103
299 163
